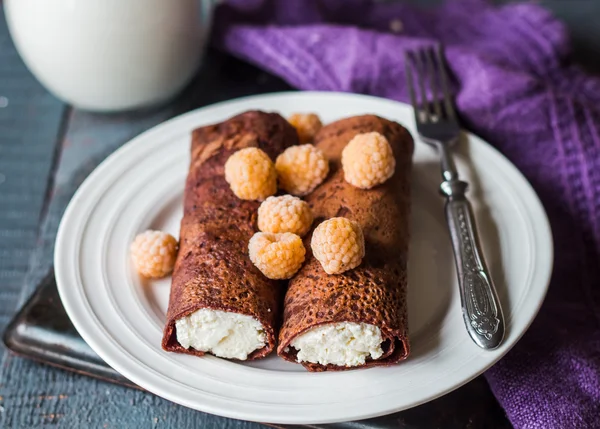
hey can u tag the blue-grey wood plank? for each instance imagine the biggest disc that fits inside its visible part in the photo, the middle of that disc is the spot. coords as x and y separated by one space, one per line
30 123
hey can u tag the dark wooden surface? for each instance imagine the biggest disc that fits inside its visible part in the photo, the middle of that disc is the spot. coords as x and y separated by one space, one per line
47 149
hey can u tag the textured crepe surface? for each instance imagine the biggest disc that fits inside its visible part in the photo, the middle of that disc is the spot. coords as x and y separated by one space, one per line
375 291
212 268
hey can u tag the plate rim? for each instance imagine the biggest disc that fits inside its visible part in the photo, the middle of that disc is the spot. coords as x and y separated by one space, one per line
71 211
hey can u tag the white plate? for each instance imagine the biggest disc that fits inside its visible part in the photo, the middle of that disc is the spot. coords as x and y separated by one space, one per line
121 317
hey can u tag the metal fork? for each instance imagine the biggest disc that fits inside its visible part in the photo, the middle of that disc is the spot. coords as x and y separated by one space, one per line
438 126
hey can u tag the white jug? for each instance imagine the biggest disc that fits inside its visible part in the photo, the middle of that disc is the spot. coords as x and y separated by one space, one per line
109 55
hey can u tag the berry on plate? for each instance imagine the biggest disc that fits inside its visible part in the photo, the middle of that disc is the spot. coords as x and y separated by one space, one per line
251 174
277 256
307 125
153 253
368 160
338 244
284 214
301 169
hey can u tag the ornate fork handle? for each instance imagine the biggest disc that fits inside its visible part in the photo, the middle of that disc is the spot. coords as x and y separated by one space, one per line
481 308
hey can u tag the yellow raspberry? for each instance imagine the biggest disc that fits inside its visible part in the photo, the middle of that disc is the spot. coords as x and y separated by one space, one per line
284 214
251 174
277 256
307 125
368 160
301 169
153 253
338 244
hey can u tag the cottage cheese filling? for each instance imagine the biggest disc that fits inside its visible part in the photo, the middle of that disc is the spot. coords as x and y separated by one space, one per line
343 344
224 334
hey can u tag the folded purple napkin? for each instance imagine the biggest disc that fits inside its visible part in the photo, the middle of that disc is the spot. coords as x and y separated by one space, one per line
516 88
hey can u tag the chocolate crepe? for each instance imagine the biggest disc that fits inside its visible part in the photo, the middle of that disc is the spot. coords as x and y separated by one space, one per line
213 269
375 291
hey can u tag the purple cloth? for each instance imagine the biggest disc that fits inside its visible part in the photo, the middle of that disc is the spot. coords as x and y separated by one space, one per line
517 89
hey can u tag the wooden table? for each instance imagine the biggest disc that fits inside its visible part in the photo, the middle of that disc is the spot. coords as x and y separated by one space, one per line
47 149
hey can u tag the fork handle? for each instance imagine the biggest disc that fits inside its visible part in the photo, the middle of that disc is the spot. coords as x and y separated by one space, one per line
481 308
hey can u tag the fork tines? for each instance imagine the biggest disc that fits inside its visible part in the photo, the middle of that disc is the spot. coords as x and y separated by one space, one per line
427 63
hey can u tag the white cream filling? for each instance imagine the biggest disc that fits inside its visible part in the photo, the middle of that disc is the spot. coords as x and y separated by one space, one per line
343 344
224 334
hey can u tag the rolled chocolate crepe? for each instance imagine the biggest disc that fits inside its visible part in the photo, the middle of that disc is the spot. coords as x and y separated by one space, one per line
357 318
220 303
